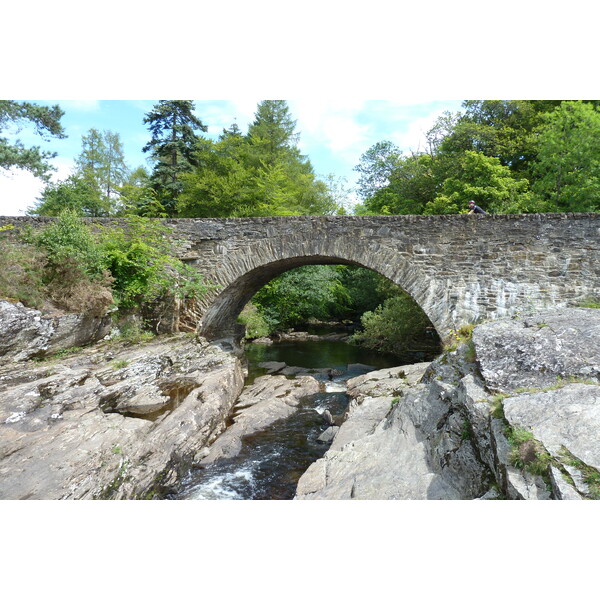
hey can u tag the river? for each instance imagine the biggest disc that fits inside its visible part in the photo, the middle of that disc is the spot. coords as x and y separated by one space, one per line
272 461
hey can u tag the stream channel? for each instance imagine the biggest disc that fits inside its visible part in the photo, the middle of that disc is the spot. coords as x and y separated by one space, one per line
272 461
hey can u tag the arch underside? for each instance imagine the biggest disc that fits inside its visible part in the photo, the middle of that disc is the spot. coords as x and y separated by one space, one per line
220 318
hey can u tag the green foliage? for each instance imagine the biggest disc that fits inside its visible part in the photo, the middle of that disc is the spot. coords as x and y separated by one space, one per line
68 242
172 124
138 256
22 273
46 122
259 174
497 409
510 156
93 190
293 297
365 291
526 452
589 303
130 264
568 157
484 180
396 326
256 326
591 476
74 194
459 336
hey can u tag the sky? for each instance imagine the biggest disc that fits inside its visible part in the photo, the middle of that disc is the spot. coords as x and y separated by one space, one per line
333 134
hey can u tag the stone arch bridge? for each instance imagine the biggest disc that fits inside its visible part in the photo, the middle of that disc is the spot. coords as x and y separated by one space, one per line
459 268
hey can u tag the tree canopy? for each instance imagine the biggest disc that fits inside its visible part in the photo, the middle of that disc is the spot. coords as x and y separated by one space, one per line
173 126
510 156
45 120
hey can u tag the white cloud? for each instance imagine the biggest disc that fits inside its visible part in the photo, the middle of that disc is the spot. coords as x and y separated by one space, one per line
333 125
18 191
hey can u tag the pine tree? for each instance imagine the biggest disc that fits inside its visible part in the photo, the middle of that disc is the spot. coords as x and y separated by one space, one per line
47 123
273 130
172 125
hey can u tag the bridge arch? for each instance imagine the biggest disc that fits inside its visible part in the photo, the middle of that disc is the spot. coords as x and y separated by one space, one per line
458 268
220 318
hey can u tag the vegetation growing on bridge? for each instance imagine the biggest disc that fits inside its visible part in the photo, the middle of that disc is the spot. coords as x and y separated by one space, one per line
87 270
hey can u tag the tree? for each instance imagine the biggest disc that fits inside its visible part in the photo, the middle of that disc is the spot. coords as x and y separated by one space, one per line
568 158
75 194
376 167
259 174
486 181
116 171
47 123
93 190
273 130
220 185
295 296
172 146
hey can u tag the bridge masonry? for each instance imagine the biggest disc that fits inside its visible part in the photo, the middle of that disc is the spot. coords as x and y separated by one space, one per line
459 268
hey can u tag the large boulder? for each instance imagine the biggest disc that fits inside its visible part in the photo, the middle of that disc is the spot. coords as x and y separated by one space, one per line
533 351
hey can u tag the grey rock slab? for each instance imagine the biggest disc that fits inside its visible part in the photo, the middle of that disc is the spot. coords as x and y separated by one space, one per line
26 332
566 417
57 442
536 350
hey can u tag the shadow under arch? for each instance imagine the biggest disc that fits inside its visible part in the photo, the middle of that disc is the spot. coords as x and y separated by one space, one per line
219 321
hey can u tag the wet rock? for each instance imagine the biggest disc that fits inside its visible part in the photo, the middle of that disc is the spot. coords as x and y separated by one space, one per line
328 435
272 366
269 399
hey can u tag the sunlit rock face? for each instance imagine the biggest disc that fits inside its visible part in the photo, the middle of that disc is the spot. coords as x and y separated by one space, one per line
452 433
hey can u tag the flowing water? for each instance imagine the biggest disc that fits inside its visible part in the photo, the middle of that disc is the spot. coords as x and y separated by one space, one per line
272 461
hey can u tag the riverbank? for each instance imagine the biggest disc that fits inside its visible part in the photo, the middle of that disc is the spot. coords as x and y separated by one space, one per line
513 414
113 421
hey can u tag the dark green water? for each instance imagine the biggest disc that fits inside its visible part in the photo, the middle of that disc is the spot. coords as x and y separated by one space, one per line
272 461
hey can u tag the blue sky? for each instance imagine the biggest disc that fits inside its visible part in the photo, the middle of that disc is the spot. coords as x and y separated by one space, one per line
333 133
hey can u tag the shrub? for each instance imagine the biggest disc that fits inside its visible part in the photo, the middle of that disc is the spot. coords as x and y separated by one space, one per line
459 336
139 258
526 452
255 324
22 273
396 326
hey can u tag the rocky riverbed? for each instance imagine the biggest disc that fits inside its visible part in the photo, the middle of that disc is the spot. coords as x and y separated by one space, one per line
514 414
114 420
